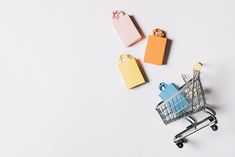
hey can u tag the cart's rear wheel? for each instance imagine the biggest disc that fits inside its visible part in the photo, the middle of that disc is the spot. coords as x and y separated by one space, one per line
180 145
211 119
214 127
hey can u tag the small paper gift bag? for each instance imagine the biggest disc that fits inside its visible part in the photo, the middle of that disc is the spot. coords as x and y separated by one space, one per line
130 71
155 50
125 28
178 102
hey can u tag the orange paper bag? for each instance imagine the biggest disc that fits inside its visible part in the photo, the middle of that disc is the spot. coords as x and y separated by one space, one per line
155 50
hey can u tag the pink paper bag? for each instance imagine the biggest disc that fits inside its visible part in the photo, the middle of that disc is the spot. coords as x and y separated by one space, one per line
126 28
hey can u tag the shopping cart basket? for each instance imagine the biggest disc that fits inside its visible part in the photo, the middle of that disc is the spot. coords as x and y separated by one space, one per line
193 93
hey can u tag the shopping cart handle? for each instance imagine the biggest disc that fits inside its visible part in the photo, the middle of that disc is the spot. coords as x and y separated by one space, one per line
197 66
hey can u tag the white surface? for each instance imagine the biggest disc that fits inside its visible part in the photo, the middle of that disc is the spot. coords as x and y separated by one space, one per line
62 94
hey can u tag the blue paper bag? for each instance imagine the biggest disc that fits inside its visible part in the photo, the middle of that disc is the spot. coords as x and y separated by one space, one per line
177 103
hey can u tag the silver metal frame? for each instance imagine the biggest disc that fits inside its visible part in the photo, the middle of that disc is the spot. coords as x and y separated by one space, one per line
191 92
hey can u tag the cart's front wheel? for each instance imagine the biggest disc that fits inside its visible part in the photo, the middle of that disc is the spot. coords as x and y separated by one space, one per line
214 127
180 145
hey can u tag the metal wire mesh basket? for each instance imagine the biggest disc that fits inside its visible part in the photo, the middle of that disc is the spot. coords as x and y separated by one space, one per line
188 100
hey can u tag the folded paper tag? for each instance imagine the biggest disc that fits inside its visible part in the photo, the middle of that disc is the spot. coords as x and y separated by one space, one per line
155 50
125 28
130 71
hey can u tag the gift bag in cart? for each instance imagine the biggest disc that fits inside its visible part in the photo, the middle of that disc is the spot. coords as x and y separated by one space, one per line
192 93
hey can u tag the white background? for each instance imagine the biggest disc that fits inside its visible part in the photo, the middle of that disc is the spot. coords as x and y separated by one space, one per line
61 93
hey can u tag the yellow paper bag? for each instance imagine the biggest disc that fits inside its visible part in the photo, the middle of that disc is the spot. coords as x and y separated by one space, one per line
130 71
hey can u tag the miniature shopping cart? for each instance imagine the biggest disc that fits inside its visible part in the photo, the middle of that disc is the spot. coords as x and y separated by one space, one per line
193 93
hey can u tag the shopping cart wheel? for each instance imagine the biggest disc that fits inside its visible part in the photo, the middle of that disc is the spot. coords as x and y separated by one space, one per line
214 127
211 118
180 145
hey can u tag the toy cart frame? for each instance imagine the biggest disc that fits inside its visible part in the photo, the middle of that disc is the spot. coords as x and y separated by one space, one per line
192 92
